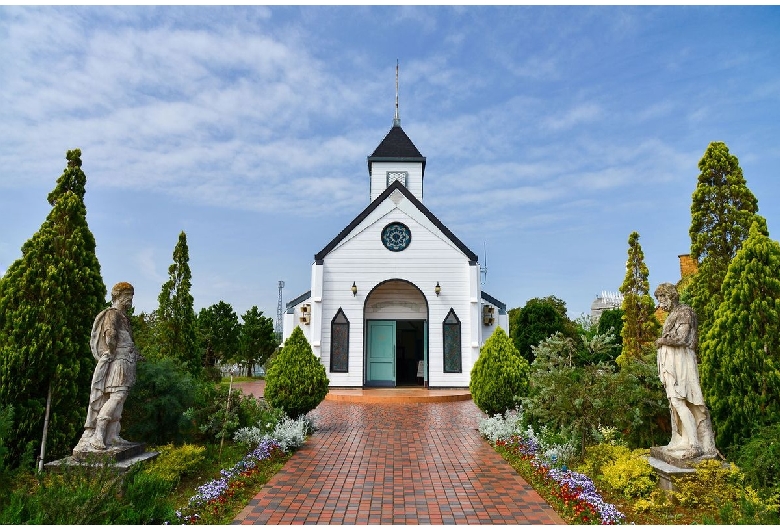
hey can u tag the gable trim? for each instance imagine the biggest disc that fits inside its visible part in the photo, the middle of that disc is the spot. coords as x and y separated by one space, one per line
291 305
395 186
500 305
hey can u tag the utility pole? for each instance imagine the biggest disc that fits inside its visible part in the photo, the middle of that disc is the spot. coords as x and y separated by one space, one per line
279 314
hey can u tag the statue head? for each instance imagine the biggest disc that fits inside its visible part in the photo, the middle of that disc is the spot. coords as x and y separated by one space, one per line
667 296
122 295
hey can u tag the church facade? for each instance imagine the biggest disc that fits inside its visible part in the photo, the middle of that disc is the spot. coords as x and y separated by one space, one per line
396 297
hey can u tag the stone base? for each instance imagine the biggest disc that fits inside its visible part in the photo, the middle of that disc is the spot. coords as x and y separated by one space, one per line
677 459
666 472
669 464
119 457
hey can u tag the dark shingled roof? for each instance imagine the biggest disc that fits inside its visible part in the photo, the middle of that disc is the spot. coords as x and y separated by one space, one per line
396 147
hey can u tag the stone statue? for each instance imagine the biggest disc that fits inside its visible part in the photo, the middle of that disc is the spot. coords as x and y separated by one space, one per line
113 348
692 435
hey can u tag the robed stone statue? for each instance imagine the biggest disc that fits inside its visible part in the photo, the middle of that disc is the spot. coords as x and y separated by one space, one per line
113 348
692 435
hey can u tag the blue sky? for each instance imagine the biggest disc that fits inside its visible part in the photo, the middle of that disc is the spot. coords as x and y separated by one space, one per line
551 133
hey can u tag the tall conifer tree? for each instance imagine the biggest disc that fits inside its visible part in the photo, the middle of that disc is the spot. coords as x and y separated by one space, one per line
722 211
48 301
640 326
176 321
740 355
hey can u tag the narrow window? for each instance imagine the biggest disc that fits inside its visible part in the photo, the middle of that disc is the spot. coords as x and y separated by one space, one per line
452 347
339 343
400 176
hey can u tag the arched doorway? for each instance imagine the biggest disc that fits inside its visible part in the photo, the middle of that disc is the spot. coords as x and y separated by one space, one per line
396 335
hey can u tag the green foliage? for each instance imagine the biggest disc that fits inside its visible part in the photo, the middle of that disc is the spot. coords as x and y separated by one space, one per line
257 340
176 321
6 426
566 396
620 469
640 326
499 378
145 336
722 210
175 462
296 381
740 355
611 323
153 410
713 485
219 330
220 411
536 320
95 494
48 300
759 459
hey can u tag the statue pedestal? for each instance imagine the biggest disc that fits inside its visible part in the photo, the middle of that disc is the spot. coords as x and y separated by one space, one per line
119 457
669 464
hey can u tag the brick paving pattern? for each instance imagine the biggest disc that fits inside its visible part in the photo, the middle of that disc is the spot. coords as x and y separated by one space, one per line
408 463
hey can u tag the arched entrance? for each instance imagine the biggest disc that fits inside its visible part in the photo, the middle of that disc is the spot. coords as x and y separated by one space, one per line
396 335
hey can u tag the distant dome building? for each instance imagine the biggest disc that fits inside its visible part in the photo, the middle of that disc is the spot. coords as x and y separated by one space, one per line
606 300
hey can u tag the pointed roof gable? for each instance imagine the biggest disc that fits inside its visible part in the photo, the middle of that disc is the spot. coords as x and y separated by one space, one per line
396 147
371 207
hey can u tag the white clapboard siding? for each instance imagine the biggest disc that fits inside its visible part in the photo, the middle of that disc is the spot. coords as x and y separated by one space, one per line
430 258
414 179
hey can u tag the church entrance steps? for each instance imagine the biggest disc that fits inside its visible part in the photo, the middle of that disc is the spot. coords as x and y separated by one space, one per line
397 395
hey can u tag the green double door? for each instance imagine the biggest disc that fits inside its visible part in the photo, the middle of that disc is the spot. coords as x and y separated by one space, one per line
382 352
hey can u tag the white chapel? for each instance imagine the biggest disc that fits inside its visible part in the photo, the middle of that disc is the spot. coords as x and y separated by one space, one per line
396 298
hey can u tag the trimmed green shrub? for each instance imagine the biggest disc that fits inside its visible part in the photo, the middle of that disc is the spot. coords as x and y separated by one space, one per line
499 378
296 381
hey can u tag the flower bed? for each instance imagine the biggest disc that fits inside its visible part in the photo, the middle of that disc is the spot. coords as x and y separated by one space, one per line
574 492
212 496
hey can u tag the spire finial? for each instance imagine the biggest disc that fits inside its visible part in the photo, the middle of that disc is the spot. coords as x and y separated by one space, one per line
397 119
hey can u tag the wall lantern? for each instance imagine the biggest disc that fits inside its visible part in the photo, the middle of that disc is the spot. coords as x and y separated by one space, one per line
437 289
354 289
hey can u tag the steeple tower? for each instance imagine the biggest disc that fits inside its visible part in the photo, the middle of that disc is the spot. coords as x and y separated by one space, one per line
396 159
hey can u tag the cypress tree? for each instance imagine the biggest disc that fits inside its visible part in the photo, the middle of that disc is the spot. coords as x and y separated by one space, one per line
740 354
640 326
48 301
176 321
722 212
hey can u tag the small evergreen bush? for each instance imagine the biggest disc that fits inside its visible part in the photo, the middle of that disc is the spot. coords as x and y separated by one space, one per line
176 462
296 381
499 378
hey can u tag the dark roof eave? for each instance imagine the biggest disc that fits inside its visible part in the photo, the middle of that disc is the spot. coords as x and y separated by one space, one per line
499 304
291 305
376 202
372 159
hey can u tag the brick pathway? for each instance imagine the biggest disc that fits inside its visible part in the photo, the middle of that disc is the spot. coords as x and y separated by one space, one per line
419 463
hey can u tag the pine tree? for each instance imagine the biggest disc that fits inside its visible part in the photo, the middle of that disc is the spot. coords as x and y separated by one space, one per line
219 330
722 211
640 326
740 354
48 301
296 381
257 338
176 321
